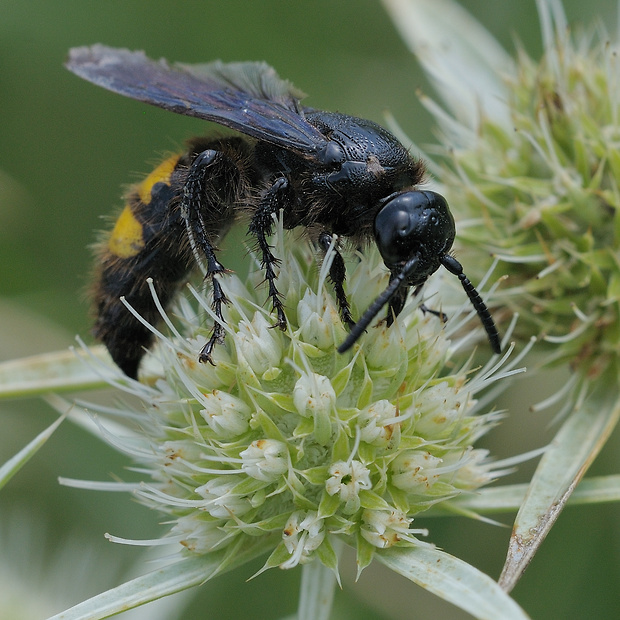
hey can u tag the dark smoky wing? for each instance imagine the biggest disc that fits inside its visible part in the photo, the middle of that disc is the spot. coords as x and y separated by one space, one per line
248 97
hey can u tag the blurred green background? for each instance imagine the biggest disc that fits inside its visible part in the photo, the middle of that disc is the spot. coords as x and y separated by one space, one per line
67 148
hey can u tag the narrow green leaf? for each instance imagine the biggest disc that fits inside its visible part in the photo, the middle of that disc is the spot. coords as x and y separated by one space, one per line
453 580
152 586
597 490
563 465
49 372
509 498
15 463
189 572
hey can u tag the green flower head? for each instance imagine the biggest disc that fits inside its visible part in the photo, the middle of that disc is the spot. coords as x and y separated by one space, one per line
531 168
286 439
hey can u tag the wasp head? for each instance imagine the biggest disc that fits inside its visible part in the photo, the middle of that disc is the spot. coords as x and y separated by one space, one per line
414 224
414 231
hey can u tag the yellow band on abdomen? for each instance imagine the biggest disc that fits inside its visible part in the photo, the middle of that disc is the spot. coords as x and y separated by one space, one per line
162 174
126 239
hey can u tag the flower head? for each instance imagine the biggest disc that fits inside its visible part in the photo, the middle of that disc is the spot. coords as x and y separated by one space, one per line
531 167
286 438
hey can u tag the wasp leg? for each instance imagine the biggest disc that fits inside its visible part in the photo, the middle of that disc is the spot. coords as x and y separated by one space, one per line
337 275
397 301
210 171
261 227
442 316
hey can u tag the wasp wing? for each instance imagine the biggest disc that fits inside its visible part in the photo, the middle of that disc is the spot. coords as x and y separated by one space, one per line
248 97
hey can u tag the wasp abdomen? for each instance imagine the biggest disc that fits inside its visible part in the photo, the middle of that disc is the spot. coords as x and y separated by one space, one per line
148 241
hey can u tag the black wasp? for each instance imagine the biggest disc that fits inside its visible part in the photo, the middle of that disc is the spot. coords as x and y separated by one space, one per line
327 172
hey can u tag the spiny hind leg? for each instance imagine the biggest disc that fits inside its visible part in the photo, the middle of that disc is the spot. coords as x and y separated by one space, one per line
204 210
261 227
337 275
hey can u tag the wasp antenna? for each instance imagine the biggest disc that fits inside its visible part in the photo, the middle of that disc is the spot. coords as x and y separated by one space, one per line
395 283
454 267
